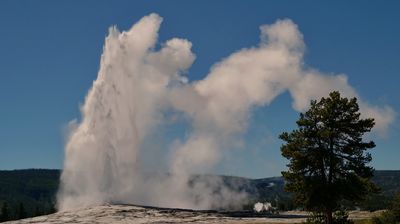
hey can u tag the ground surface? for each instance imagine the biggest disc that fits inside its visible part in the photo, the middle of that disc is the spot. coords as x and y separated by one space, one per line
137 214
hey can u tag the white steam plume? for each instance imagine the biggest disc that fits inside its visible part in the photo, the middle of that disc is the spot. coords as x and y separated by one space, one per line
136 84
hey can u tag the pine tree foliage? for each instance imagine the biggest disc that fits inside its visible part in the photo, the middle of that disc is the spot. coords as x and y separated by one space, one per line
328 159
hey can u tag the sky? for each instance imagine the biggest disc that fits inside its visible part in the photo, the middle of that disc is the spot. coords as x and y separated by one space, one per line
50 55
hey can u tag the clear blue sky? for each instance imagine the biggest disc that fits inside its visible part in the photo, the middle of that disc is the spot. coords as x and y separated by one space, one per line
50 52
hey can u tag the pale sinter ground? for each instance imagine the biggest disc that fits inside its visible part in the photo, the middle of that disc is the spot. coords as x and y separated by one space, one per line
136 214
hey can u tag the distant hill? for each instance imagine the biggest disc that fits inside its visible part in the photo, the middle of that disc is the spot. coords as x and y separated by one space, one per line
388 180
35 190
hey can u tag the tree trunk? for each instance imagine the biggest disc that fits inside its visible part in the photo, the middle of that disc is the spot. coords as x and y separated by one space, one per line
329 218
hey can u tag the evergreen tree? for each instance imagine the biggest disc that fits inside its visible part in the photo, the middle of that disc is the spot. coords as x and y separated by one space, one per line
38 211
328 159
5 216
395 207
21 212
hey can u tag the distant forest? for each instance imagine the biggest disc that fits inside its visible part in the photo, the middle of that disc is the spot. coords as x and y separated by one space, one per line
32 192
28 193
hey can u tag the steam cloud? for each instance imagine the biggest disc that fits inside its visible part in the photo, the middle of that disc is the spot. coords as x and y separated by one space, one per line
136 85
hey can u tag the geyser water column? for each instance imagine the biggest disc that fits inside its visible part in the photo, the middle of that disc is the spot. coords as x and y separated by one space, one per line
123 105
136 84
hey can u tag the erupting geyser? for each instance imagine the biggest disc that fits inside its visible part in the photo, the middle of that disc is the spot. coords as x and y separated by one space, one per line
136 85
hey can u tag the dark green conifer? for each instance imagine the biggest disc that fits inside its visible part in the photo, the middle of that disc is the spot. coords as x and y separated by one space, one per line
5 216
21 212
328 159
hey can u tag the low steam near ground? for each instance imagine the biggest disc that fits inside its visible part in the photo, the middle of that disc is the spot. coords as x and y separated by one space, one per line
138 86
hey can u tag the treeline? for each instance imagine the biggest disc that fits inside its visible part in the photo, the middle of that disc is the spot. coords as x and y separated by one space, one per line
21 211
27 193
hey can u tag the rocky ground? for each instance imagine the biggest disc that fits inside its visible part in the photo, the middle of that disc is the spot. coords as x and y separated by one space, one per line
137 214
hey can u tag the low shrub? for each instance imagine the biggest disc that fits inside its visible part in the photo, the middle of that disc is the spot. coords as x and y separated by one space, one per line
340 217
392 215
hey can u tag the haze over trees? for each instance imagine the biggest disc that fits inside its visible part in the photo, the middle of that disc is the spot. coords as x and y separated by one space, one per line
328 158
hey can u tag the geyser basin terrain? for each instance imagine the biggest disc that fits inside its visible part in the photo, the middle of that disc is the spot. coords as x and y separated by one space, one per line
140 88
136 214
